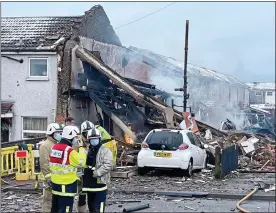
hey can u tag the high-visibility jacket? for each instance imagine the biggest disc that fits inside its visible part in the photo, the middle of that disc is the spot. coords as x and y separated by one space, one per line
64 161
105 136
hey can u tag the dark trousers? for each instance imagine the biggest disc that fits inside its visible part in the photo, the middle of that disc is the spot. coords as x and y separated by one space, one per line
96 201
62 204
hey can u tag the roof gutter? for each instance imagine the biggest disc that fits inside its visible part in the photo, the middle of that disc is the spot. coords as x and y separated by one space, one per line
13 51
38 49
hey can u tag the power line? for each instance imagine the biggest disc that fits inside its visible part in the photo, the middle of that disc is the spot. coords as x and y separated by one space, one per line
144 16
137 19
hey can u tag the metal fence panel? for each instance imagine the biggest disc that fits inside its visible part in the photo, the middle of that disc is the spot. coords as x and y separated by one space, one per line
25 141
229 160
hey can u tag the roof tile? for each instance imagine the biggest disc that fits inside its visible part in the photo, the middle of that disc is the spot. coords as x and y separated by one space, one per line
28 33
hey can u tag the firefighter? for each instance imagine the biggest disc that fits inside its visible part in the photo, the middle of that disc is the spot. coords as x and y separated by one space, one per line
85 127
97 174
65 158
53 134
107 140
105 136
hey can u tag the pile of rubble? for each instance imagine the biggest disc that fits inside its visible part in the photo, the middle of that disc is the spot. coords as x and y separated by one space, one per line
257 155
256 152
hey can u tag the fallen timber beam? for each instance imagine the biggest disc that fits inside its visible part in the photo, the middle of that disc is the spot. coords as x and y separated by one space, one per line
122 83
88 57
112 116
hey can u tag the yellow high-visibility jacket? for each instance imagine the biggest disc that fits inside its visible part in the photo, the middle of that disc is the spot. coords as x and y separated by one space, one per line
64 161
105 136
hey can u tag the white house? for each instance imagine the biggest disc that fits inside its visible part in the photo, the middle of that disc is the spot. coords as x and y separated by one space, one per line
32 76
29 74
262 93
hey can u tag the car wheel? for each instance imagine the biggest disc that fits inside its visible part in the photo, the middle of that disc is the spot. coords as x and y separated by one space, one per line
189 171
142 170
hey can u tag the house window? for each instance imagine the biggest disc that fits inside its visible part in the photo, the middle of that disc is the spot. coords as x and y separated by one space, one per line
269 93
258 93
38 67
34 127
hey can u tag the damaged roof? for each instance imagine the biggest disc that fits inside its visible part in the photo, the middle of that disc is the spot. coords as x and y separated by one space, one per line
32 33
261 86
178 67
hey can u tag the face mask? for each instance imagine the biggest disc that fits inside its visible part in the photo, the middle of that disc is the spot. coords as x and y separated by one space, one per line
94 142
75 141
57 137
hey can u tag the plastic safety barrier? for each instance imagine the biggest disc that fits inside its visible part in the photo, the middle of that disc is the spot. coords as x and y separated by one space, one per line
23 163
22 168
9 164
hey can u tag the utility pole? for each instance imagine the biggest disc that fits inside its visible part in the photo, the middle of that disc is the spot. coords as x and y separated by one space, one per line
184 89
185 94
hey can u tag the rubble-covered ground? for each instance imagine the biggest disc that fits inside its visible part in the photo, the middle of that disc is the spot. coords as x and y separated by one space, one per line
235 183
139 185
31 203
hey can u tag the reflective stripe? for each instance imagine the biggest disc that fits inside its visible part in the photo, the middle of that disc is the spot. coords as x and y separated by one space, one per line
59 165
47 176
64 194
63 171
102 207
67 208
63 188
65 155
94 189
81 162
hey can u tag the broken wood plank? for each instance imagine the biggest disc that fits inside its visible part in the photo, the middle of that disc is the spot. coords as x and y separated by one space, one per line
264 165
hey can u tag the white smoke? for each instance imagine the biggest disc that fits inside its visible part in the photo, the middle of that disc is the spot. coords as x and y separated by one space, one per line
217 112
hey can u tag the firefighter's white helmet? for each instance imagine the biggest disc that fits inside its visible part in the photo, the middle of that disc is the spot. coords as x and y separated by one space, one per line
69 132
93 133
86 126
52 128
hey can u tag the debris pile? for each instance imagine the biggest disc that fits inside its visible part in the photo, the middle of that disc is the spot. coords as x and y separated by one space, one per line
262 158
256 151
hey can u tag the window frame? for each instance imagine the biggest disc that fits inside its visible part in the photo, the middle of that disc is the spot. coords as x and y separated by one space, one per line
258 93
269 92
38 77
32 131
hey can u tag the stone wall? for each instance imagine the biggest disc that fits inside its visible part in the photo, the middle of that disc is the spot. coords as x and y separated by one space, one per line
94 24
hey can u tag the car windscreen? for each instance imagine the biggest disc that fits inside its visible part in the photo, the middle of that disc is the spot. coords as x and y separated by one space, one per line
164 140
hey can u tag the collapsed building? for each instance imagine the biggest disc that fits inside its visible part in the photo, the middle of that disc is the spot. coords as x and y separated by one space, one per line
83 90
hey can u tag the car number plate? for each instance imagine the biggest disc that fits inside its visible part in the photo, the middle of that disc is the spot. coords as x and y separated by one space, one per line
163 154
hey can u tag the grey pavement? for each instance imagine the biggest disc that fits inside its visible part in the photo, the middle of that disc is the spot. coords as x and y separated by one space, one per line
196 205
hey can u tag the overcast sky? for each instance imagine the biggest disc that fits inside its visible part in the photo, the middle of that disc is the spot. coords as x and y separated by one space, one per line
235 38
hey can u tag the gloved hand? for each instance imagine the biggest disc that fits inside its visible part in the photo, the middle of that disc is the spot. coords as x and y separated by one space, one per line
95 174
